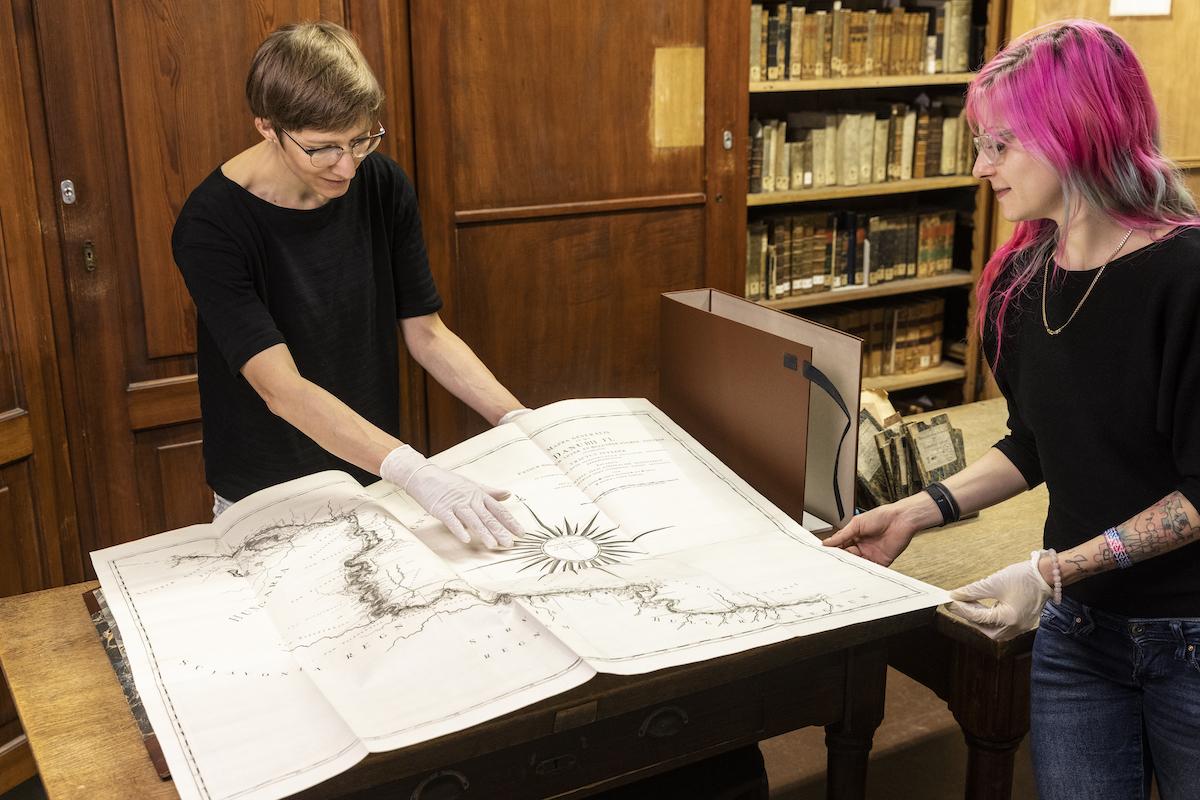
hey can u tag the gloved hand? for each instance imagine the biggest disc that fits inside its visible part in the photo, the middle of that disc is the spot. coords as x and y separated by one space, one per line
511 415
1019 590
465 507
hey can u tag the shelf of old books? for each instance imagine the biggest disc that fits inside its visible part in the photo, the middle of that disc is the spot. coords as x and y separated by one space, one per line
862 212
846 294
862 82
942 373
821 39
860 190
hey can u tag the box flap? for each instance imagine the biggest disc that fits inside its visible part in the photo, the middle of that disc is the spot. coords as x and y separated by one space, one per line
836 354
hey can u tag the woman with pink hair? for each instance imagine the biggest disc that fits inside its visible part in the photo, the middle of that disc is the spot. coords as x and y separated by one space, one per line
1088 316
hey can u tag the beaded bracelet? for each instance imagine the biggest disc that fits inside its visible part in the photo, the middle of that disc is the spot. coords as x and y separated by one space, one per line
1057 576
1118 549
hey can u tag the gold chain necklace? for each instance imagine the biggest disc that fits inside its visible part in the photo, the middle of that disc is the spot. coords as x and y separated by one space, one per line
1082 300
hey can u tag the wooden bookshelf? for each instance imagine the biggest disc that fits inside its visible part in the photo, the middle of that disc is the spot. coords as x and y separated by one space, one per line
869 82
861 190
767 99
944 372
847 294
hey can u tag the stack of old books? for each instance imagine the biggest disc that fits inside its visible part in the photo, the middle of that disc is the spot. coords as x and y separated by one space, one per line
898 458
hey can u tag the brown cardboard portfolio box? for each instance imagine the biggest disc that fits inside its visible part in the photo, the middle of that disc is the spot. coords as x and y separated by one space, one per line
773 395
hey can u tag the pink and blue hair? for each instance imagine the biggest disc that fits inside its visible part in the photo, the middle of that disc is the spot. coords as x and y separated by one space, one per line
1075 96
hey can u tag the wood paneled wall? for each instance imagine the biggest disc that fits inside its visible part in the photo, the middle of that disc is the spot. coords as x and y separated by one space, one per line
1166 47
39 541
135 102
147 99
39 544
559 198
570 167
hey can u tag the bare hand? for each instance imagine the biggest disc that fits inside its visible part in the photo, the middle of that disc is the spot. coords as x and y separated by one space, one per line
879 535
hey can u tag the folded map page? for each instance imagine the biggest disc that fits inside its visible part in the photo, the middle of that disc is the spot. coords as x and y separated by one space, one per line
317 621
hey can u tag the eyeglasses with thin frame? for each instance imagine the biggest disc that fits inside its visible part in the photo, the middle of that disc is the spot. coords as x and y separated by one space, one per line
322 157
992 145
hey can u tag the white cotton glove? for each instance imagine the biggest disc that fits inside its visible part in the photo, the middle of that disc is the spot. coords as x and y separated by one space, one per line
465 507
1019 590
510 416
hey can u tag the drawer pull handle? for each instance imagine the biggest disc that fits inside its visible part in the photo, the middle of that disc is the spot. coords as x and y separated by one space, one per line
664 722
446 784
553 766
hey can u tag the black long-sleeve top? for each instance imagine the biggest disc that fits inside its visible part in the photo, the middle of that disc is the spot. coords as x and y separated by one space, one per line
1107 412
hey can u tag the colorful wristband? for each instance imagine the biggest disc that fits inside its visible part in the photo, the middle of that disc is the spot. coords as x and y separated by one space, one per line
1118 549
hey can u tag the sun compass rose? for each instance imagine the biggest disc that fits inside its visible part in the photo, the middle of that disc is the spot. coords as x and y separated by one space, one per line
571 548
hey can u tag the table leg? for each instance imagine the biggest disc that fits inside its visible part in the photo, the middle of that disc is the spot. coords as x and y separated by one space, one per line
849 741
990 701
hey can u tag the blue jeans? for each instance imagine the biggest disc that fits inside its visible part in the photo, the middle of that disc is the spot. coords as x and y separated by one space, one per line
1113 700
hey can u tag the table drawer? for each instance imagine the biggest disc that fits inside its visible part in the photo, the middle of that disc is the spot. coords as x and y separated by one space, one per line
673 729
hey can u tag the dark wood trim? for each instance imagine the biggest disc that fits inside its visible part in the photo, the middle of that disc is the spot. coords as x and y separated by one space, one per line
982 245
477 215
16 763
997 28
97 426
432 136
166 401
414 408
16 439
51 391
726 171
981 249
382 31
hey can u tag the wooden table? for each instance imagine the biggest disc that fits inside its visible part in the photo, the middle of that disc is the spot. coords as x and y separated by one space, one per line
607 732
985 683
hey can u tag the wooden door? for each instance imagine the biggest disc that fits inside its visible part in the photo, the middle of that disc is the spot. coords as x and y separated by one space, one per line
571 167
39 544
144 98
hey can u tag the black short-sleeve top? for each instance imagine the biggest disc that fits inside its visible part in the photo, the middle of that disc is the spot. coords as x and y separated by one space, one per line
328 282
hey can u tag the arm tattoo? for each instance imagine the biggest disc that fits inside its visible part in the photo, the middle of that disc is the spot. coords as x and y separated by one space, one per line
1164 526
1175 520
1077 561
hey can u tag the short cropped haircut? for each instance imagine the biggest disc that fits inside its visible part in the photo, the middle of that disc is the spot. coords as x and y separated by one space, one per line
311 75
